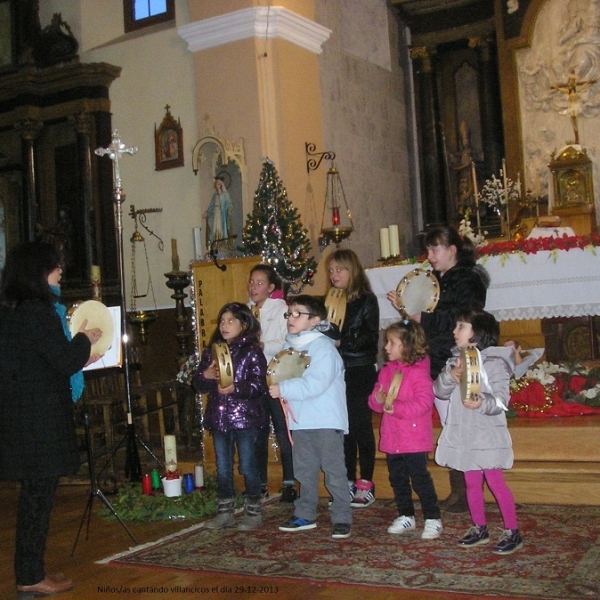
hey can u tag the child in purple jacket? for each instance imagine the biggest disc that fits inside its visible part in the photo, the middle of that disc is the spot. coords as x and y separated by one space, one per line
404 395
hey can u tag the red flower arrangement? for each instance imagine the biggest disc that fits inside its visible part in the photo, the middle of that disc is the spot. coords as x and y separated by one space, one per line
535 245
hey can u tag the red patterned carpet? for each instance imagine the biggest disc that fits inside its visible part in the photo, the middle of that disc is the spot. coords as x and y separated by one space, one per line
560 558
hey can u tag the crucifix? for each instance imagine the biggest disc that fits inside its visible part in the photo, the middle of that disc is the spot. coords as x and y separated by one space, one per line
572 88
115 151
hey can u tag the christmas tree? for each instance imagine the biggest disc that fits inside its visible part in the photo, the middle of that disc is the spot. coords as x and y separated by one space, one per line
274 231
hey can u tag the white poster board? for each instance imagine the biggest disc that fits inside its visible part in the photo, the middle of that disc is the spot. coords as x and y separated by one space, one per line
114 355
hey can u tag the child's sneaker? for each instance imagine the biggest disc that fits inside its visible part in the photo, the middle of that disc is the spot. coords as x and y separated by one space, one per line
432 530
477 535
297 524
364 495
510 541
341 531
402 525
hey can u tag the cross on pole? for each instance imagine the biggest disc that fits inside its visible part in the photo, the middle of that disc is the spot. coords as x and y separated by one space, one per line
115 151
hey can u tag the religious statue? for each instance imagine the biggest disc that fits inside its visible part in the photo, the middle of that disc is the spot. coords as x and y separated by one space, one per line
218 215
573 89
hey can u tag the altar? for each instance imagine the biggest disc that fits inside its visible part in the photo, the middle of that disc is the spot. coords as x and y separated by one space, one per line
557 283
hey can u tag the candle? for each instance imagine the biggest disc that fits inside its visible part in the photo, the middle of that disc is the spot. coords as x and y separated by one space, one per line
147 484
476 195
505 183
384 242
536 183
96 283
335 215
197 243
174 255
170 449
199 476
155 478
394 240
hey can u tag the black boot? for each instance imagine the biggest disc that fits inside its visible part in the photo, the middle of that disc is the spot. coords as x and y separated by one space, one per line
456 502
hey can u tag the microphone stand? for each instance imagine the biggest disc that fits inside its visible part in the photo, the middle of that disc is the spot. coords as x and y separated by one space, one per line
214 250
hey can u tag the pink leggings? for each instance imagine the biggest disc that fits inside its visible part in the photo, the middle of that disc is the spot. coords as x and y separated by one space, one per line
506 502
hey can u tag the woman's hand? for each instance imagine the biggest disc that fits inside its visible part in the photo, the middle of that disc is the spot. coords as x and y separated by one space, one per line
92 334
393 298
274 391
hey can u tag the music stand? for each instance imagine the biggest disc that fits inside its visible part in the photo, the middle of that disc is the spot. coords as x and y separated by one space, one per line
133 468
95 491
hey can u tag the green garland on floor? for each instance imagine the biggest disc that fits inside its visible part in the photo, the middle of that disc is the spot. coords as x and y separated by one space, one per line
132 505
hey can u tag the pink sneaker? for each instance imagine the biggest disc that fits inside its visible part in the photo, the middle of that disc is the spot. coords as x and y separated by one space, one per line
364 495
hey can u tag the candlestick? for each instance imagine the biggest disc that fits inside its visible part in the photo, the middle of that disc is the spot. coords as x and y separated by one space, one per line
505 183
394 240
174 255
384 242
170 449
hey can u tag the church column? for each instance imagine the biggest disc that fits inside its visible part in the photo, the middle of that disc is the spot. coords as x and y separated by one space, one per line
29 130
491 109
84 124
433 190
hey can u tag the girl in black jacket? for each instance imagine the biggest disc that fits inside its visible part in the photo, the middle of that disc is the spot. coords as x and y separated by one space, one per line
358 347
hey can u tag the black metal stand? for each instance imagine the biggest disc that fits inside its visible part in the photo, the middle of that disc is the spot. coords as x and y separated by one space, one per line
95 491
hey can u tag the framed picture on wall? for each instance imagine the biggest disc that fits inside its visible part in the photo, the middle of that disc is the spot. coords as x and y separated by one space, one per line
168 142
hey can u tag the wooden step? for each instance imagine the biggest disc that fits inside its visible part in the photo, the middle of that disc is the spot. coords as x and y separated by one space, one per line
556 462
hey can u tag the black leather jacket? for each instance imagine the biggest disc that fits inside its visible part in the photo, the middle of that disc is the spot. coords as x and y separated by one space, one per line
461 287
360 332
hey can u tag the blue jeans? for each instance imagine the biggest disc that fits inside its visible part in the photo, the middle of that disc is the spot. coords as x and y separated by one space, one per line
224 444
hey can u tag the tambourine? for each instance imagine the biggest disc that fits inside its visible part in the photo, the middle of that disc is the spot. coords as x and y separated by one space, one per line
222 358
470 380
418 291
335 302
392 394
98 317
287 364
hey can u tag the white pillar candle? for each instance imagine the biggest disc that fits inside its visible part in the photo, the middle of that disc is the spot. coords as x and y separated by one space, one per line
384 242
197 243
199 476
394 240
170 449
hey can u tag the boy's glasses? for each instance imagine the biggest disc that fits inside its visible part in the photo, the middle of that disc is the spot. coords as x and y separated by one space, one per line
296 314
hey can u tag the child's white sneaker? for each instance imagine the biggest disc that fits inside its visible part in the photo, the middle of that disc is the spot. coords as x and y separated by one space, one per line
402 525
432 530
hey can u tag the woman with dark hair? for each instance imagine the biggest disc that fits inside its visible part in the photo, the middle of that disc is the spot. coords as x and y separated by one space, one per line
235 412
463 286
358 347
266 299
40 378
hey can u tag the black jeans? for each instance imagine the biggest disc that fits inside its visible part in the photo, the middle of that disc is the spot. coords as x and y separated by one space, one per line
33 522
273 408
359 443
405 469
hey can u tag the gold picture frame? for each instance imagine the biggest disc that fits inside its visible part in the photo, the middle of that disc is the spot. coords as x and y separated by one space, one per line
168 142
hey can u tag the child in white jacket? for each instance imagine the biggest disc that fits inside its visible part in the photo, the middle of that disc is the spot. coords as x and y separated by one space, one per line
317 417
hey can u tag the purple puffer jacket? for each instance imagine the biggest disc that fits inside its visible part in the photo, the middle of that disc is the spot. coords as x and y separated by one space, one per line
244 408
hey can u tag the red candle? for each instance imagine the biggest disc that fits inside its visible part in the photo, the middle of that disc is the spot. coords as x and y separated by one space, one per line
335 215
146 484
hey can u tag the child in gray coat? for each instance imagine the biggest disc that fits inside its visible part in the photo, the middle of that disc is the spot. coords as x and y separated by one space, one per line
475 438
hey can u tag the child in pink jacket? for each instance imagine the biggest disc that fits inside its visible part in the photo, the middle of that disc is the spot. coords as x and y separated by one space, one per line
404 395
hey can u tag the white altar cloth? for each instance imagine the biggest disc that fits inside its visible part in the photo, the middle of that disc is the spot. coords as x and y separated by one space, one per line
542 285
